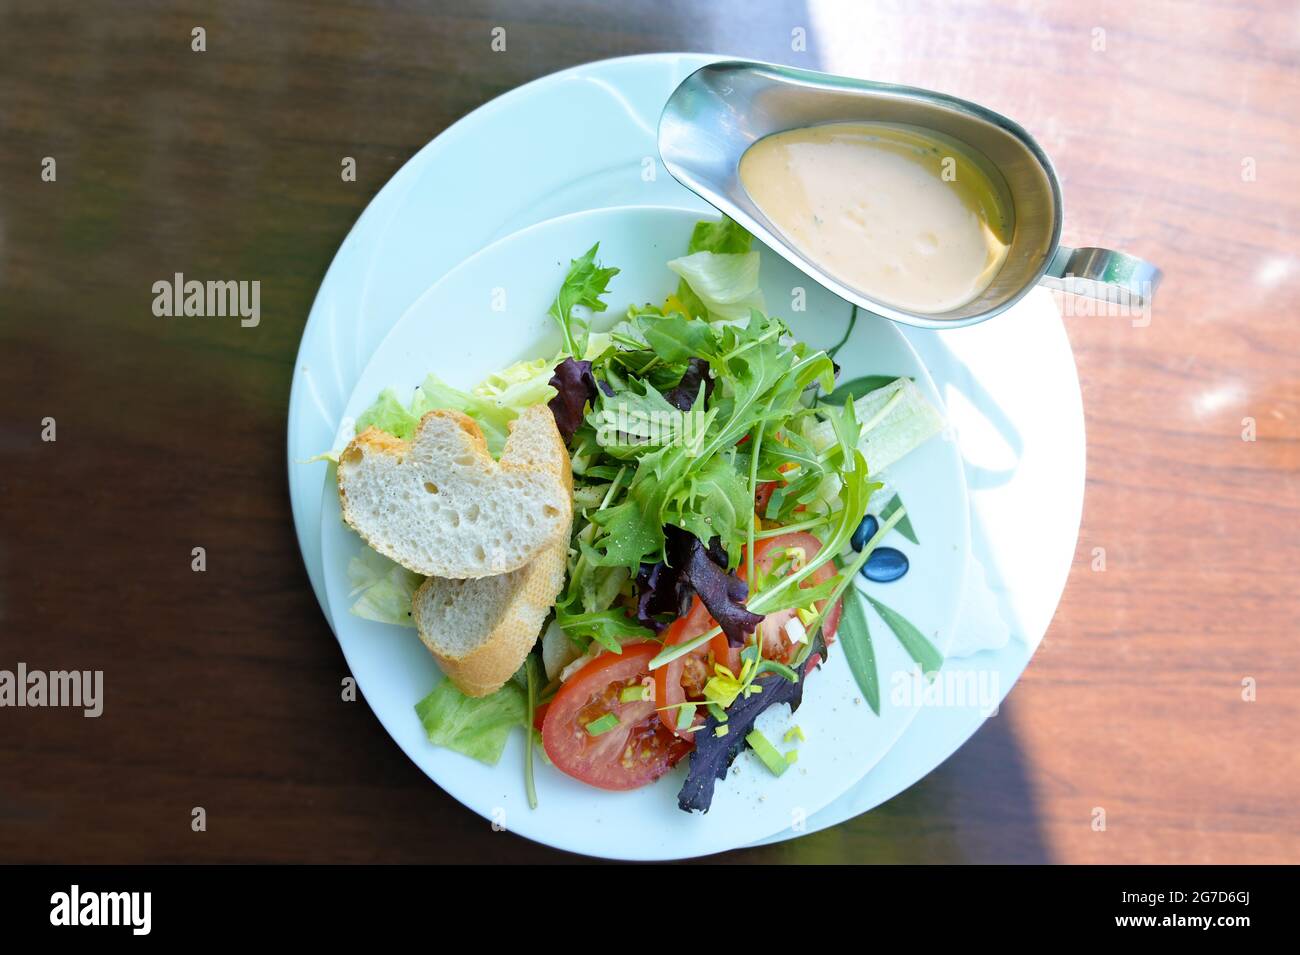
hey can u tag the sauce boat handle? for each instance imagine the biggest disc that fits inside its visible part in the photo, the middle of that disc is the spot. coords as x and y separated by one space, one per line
1102 274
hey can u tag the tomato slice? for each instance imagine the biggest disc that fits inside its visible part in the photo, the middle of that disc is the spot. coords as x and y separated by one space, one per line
684 678
637 751
765 489
776 644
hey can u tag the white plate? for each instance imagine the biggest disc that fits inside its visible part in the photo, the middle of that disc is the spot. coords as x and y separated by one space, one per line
501 168
453 331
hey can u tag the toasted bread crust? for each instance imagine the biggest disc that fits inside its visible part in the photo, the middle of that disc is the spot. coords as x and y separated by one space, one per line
499 654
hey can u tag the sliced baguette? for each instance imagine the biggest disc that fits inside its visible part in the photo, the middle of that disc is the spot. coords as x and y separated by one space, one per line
480 631
439 505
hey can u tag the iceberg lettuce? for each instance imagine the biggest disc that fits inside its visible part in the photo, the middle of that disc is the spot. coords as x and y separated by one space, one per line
383 588
493 404
725 283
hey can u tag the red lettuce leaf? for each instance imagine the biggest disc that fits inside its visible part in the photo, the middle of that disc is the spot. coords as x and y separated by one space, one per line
575 387
683 395
690 569
713 755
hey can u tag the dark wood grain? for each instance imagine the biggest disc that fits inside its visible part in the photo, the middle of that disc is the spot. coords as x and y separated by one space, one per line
223 687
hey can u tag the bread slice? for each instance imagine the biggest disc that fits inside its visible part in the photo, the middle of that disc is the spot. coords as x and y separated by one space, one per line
481 630
439 505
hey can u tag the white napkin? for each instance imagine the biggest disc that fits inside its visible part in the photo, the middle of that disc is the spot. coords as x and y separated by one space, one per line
980 625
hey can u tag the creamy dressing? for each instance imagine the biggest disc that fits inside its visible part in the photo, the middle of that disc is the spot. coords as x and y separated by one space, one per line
890 211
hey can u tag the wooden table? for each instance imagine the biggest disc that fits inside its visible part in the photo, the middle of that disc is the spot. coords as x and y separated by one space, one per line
1174 127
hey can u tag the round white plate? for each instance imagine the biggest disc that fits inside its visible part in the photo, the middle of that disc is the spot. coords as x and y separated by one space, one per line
454 331
501 168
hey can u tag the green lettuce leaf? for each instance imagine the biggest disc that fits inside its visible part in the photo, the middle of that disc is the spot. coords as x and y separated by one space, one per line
724 235
473 726
383 589
493 404
894 421
389 414
726 284
522 385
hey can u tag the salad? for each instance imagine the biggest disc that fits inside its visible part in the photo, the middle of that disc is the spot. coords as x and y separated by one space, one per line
726 496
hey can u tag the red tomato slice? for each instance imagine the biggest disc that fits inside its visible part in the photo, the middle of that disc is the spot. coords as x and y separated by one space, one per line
765 489
635 752
684 678
776 645
539 715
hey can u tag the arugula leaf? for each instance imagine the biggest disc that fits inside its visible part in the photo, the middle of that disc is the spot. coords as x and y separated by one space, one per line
803 596
855 637
473 726
610 628
631 530
913 640
585 282
713 501
853 320
638 419
858 489
758 379
674 339
792 448
845 424
788 497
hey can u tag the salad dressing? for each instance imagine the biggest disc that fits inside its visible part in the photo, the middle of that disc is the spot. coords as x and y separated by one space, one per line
891 211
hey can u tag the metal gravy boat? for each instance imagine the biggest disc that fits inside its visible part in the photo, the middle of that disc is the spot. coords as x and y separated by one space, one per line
722 109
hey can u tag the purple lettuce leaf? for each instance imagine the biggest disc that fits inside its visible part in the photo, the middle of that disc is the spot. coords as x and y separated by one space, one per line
683 395
713 755
575 387
690 569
